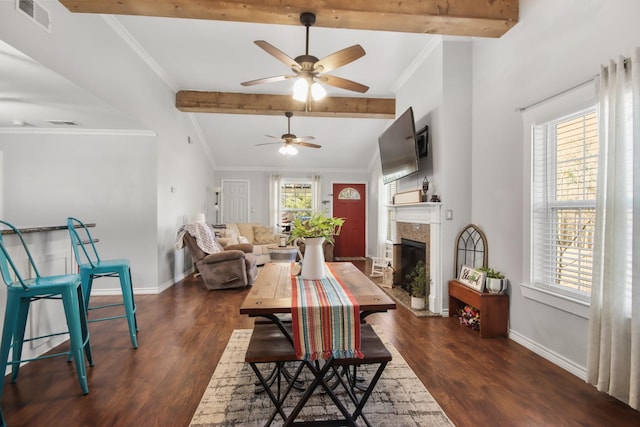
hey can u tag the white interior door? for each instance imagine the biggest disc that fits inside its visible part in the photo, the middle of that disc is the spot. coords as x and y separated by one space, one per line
235 201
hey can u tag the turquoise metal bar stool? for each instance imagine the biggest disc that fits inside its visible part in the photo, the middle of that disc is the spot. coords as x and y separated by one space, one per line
91 266
21 293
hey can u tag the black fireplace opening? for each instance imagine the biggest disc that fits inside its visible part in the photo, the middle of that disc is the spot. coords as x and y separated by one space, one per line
411 251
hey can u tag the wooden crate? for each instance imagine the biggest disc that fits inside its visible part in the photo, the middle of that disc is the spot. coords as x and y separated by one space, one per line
406 197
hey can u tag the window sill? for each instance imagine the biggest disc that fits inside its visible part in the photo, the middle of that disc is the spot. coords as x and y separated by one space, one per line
561 302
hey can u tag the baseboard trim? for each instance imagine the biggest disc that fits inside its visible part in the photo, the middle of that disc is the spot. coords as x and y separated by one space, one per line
551 356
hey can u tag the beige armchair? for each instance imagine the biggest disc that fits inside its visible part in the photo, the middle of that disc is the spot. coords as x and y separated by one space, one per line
234 267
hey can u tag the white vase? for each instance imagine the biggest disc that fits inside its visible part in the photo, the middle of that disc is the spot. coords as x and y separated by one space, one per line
313 267
418 303
496 286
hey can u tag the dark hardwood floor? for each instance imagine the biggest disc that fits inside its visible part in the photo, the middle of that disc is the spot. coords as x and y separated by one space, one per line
183 331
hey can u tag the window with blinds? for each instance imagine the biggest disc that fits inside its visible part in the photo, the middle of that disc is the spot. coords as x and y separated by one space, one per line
565 164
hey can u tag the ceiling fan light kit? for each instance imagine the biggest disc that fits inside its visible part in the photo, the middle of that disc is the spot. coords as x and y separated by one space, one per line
308 69
288 150
301 90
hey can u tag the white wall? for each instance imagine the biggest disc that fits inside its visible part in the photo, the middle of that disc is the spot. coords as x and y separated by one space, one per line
556 45
82 176
439 91
136 175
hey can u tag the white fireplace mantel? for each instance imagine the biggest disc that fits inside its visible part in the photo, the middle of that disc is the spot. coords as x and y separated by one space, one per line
425 213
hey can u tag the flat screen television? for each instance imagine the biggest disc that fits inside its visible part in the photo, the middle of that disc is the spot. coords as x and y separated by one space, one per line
398 149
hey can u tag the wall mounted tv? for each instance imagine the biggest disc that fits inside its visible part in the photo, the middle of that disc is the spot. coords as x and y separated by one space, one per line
398 149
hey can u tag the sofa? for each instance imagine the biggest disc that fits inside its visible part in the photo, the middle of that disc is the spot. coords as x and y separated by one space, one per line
259 235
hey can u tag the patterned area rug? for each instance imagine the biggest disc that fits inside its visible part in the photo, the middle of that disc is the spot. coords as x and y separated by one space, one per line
400 399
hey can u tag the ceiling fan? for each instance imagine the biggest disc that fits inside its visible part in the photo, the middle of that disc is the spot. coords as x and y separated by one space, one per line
289 139
309 70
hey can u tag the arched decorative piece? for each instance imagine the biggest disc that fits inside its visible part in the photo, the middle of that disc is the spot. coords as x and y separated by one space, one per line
349 193
471 249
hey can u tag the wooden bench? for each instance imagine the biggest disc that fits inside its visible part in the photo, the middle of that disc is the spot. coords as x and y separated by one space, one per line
269 345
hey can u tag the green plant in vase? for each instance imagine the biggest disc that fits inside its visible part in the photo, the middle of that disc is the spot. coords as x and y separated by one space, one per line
314 231
317 226
495 283
418 279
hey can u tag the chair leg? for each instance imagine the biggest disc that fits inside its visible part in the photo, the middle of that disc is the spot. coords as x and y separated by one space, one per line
18 335
10 317
87 281
129 306
72 313
84 326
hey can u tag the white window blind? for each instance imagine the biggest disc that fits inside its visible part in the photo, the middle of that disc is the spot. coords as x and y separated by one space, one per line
565 161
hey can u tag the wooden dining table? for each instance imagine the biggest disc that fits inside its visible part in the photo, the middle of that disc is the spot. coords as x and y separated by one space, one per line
271 297
270 294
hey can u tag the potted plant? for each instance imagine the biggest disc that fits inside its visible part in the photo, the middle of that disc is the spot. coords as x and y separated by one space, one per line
314 231
495 282
418 285
316 226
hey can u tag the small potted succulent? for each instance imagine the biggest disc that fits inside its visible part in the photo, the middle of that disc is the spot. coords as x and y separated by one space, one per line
495 283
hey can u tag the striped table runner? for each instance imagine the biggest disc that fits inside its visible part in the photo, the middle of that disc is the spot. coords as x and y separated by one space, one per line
325 318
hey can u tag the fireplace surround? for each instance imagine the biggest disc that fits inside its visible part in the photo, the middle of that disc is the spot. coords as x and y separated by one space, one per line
420 222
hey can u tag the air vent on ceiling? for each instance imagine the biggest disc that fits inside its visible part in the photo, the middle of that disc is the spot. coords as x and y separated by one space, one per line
63 122
36 12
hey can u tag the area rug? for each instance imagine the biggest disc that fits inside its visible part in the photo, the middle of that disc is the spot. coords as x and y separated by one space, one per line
400 399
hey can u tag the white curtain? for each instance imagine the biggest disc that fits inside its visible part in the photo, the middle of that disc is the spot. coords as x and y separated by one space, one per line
316 187
275 181
613 359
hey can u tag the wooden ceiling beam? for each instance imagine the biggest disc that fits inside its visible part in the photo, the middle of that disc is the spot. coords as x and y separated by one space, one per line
481 18
263 104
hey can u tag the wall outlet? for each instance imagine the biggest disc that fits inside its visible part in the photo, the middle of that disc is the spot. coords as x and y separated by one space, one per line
448 215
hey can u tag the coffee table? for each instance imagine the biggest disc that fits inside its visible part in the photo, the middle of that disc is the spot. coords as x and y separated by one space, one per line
282 253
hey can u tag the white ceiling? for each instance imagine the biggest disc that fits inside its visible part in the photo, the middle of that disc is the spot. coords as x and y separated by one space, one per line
217 56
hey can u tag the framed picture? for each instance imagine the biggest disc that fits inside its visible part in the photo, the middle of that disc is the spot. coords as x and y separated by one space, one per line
472 278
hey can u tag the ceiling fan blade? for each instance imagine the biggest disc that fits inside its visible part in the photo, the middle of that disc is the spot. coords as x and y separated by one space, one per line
303 138
343 83
307 144
339 58
267 143
278 54
266 80
275 137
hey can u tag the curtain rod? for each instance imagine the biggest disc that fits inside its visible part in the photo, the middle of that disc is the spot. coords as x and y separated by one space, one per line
555 95
625 61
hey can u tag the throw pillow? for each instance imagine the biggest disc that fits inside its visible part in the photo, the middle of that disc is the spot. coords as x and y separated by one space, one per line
243 239
263 235
226 241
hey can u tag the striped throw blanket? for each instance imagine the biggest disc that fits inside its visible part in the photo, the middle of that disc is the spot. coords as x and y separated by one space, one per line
325 319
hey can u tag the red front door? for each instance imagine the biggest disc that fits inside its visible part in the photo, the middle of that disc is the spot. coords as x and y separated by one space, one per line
349 202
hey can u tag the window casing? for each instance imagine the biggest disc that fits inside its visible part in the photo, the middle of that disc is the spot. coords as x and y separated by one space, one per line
565 159
391 189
